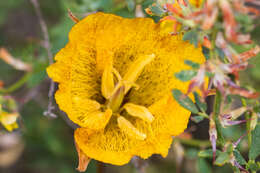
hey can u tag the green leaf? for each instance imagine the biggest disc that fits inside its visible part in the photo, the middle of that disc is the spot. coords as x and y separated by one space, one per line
239 157
235 169
253 166
208 74
130 5
185 75
192 37
208 153
256 108
222 159
203 166
184 101
201 105
243 18
192 64
197 119
38 74
229 148
255 149
157 10
245 21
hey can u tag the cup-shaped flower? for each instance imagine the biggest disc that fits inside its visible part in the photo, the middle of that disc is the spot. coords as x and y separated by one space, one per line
115 79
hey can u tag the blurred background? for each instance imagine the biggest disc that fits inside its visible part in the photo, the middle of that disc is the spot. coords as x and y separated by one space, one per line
44 144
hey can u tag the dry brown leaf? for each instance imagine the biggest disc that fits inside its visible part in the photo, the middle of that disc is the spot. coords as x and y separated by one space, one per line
83 159
16 63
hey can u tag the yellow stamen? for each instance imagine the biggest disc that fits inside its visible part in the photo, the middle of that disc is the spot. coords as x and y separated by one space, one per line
132 84
107 84
128 128
118 76
139 111
122 83
97 120
135 70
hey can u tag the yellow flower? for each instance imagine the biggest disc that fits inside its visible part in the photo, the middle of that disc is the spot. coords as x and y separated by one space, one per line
8 120
115 78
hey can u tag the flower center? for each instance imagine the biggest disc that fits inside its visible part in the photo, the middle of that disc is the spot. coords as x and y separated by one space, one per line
115 93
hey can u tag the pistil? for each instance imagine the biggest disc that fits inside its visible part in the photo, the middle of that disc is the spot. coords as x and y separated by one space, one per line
116 99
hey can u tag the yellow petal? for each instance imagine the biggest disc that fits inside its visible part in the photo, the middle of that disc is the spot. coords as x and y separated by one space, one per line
96 120
169 116
8 118
60 70
114 147
82 110
11 127
158 80
128 128
109 146
135 70
139 111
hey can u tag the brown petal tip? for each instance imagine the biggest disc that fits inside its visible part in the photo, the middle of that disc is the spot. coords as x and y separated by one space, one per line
83 160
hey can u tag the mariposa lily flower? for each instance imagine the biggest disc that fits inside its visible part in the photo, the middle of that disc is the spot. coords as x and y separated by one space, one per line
115 79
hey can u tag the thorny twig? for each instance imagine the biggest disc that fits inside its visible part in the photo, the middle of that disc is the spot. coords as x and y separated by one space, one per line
72 16
44 29
100 167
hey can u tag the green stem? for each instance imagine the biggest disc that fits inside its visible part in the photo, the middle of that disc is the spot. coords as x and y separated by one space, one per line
195 142
16 85
213 43
203 114
247 116
249 135
217 102
216 112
